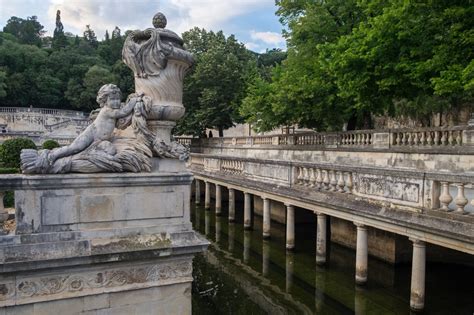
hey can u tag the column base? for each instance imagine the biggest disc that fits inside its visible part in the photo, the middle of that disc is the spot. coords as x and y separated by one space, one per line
266 236
290 247
360 281
320 261
247 227
231 220
218 212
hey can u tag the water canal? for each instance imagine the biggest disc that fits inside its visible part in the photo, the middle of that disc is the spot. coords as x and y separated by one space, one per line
243 274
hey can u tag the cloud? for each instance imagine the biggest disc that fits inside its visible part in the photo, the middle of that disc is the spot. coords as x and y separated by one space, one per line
182 15
268 37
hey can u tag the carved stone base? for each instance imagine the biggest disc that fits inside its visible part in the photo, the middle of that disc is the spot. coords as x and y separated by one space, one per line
98 238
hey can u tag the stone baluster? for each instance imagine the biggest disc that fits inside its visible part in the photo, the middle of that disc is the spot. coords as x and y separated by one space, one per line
429 140
306 176
349 183
3 211
459 137
445 198
299 179
312 177
396 137
436 138
443 138
460 200
319 178
422 138
340 182
450 137
325 179
333 181
409 138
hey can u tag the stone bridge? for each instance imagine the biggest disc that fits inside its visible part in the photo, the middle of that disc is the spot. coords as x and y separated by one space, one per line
383 192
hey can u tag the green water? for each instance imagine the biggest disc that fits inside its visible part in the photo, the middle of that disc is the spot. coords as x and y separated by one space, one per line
243 274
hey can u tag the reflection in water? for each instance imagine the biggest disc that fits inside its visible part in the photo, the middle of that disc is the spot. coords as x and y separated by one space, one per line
359 301
319 286
289 270
207 222
247 238
231 236
265 257
218 228
243 274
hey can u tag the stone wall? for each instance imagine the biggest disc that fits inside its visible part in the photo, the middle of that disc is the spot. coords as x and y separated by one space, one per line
41 124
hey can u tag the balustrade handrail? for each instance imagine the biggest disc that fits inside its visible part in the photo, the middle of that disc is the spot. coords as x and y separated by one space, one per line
44 111
434 138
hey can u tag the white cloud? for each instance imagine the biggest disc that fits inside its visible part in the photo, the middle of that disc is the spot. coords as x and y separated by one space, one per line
252 46
132 14
268 37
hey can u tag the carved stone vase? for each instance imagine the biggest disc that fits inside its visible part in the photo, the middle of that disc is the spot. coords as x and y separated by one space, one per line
159 63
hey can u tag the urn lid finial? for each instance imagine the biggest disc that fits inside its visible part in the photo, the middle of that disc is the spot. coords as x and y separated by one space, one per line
159 20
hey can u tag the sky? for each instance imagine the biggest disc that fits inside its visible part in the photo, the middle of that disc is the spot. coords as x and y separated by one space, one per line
253 22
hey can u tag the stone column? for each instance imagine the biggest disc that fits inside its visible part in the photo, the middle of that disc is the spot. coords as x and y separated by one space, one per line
417 292
361 255
265 257
207 196
321 239
218 199
247 211
266 217
289 271
231 205
198 192
290 227
247 239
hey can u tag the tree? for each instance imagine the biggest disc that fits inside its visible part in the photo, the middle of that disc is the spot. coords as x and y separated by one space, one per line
216 85
90 38
59 39
11 149
28 31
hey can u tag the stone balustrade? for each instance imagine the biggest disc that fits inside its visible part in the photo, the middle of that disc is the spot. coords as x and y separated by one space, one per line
440 139
43 111
407 189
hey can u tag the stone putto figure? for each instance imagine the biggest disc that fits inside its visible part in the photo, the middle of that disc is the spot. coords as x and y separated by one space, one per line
159 63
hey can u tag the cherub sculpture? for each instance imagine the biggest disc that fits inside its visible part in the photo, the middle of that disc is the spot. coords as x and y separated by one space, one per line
96 148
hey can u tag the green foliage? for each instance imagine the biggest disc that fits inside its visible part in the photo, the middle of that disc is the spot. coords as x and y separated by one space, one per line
50 144
216 85
10 151
27 31
349 60
59 39
8 170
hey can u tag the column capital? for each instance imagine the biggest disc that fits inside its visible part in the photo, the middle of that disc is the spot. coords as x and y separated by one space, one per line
320 214
417 242
289 205
360 225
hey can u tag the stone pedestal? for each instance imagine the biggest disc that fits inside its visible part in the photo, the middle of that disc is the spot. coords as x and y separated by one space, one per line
108 242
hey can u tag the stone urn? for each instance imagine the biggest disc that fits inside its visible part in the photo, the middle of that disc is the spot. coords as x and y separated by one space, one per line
159 63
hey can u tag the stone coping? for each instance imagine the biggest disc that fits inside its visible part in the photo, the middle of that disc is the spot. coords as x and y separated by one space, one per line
70 252
52 181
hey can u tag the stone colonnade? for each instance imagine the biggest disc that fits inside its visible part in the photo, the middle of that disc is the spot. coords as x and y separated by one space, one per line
417 294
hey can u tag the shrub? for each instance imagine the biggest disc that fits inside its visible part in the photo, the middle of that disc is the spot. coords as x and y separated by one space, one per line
50 144
11 149
9 198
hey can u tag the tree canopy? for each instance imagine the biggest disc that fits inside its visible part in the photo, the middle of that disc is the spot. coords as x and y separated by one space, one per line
349 60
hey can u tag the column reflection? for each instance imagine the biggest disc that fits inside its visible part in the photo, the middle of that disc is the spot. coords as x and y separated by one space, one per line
265 257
